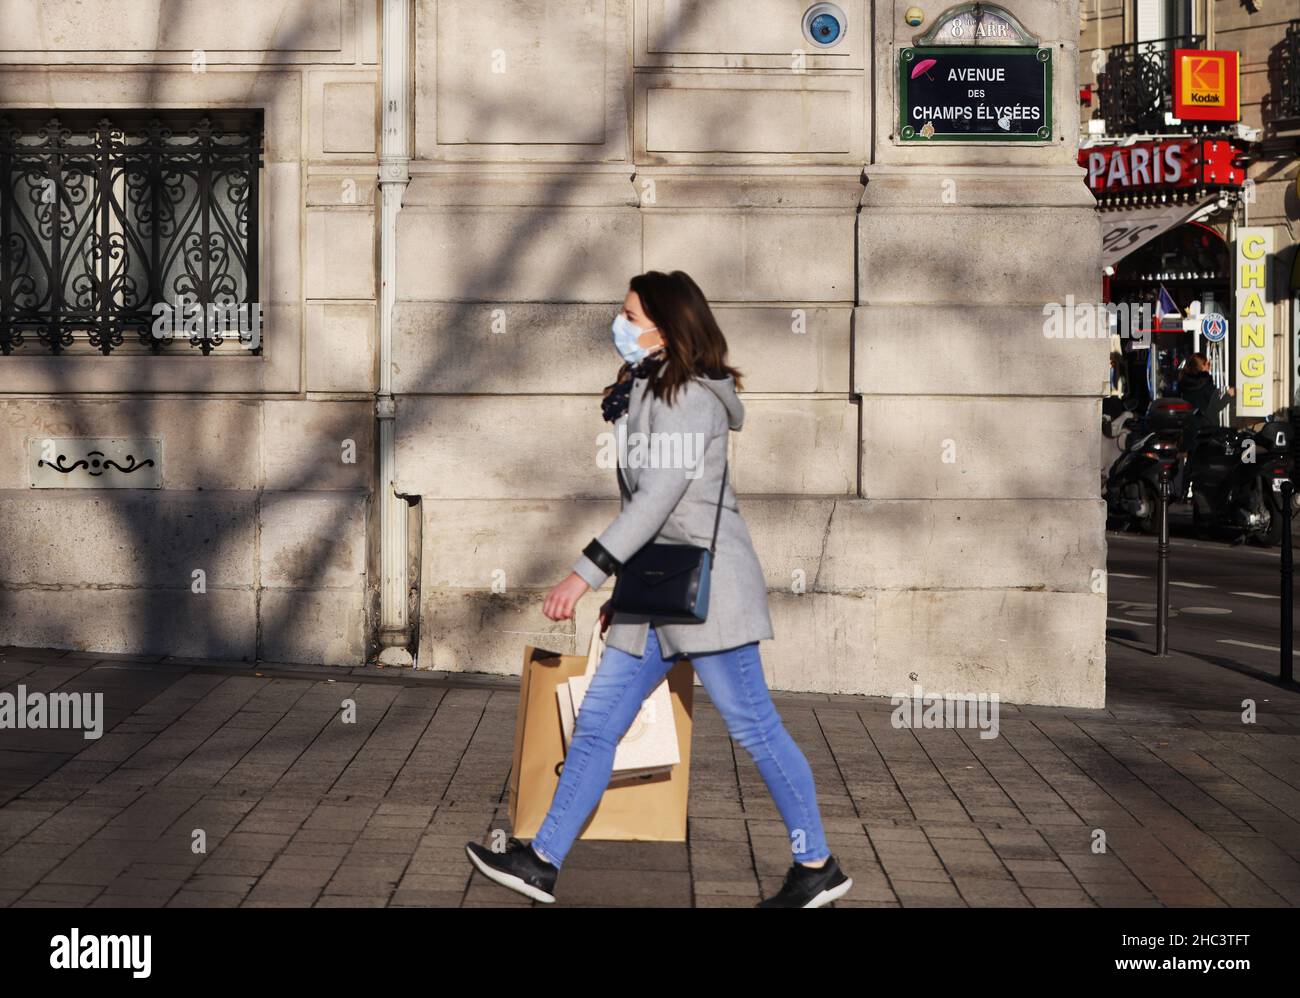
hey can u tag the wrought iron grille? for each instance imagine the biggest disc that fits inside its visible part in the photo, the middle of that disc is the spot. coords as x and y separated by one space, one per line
1289 96
113 224
1137 85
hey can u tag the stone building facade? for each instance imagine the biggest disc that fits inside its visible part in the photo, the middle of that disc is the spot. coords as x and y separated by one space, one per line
455 193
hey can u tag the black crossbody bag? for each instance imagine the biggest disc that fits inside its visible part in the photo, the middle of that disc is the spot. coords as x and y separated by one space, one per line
668 581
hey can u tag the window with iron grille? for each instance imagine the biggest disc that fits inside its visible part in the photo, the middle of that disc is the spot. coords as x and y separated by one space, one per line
129 231
1137 86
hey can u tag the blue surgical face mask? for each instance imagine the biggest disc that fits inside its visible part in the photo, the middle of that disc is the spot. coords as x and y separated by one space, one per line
626 335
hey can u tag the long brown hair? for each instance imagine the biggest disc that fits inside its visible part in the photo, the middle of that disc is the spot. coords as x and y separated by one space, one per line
692 340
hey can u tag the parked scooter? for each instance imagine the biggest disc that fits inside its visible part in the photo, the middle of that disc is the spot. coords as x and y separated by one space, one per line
1133 483
1236 479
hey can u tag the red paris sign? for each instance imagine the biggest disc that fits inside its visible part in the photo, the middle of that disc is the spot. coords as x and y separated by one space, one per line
1153 166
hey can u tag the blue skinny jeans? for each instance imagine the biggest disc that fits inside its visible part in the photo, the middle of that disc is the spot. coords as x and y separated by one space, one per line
736 685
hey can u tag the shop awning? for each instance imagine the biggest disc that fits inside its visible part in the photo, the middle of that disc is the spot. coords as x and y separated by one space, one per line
1126 229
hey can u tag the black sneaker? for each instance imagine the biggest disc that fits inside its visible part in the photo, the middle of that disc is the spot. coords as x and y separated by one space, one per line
809 887
518 868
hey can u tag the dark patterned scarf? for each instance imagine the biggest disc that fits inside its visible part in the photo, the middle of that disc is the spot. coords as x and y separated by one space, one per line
617 396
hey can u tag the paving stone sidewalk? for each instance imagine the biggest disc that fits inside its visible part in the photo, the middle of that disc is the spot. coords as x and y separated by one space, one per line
1197 808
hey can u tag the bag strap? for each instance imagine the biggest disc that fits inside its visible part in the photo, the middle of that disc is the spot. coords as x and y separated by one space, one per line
623 490
717 517
722 491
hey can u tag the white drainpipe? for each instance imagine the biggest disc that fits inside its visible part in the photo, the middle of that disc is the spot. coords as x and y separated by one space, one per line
394 156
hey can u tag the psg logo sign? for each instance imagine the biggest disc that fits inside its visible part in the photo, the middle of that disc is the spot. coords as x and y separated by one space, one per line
1214 327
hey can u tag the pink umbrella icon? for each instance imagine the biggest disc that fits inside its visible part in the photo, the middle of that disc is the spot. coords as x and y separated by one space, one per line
924 66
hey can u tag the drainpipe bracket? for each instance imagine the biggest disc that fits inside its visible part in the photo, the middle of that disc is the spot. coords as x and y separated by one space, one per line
394 170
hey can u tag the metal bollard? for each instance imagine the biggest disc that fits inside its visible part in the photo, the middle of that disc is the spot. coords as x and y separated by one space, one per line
1288 577
1162 567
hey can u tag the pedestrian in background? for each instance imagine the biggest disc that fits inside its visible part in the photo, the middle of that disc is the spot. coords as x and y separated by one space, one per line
1197 387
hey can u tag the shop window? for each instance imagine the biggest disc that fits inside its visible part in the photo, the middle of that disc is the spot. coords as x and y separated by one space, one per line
1190 264
129 232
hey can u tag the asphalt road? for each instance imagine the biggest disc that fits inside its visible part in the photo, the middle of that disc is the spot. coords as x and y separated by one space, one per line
1225 600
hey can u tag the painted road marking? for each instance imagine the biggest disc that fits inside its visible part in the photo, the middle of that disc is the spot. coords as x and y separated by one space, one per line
1149 610
1191 585
1180 542
1123 620
1247 644
1121 575
1258 595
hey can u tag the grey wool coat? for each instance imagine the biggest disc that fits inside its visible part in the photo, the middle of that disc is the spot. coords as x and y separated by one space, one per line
676 505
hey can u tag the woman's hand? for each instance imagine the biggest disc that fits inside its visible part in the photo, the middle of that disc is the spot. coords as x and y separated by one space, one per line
561 600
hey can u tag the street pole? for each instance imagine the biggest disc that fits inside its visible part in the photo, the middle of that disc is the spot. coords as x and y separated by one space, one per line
1288 577
1162 567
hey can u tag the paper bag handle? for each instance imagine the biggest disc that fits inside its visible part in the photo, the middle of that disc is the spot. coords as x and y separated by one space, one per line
595 649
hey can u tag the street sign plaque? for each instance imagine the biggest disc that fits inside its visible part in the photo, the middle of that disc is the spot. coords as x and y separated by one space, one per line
983 94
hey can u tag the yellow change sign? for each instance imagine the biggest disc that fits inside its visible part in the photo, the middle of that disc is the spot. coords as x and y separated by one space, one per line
1254 323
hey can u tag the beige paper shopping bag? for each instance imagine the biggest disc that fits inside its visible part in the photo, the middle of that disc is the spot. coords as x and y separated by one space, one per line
649 745
652 809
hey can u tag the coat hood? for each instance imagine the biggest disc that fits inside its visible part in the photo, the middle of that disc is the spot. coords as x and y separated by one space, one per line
725 390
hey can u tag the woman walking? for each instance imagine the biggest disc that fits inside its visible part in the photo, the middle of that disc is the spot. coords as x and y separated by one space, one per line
676 388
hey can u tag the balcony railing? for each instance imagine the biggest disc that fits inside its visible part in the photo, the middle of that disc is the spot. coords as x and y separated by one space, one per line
1289 75
1137 84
